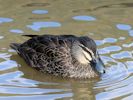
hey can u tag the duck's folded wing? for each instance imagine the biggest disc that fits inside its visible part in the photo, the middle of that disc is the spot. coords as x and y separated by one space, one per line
52 59
58 60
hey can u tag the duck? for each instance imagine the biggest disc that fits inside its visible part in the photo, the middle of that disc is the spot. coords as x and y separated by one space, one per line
62 55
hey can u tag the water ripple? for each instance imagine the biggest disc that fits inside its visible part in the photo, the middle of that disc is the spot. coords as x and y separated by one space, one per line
5 56
84 18
18 31
122 55
131 33
39 11
123 91
118 89
106 59
124 27
110 40
122 38
9 64
115 83
5 20
128 45
14 79
19 90
38 97
36 4
130 97
105 40
129 65
1 37
109 49
36 26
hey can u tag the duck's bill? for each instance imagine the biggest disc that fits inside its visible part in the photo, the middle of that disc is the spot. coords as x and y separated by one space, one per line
100 66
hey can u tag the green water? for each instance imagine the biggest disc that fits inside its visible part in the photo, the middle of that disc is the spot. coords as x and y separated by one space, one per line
108 22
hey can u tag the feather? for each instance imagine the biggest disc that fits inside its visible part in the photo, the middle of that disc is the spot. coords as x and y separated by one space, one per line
14 46
30 35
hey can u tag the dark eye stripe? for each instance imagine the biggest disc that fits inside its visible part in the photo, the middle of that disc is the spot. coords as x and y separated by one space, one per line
86 50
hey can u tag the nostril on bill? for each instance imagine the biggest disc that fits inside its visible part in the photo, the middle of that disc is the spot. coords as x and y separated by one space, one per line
104 71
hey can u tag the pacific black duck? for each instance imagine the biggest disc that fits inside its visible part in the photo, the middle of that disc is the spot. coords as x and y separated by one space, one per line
63 55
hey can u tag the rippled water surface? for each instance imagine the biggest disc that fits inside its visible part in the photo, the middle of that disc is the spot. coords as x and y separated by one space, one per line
108 22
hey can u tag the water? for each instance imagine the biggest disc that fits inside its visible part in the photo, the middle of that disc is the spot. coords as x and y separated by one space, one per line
109 23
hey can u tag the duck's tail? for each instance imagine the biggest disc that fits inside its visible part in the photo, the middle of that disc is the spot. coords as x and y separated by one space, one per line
15 46
30 35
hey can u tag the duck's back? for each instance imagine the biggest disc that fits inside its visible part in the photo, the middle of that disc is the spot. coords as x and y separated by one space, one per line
46 53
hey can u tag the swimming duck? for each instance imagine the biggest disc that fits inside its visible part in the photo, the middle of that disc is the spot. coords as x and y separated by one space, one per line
62 55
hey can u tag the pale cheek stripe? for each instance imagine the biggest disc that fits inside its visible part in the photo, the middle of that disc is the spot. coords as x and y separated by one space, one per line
87 56
88 51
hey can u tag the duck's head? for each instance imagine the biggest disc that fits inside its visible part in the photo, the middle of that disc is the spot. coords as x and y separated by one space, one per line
85 52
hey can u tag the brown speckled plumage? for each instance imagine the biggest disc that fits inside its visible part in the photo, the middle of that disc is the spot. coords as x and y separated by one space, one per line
53 54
